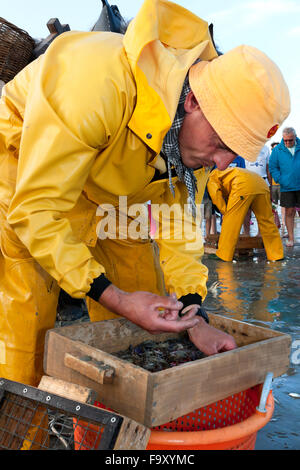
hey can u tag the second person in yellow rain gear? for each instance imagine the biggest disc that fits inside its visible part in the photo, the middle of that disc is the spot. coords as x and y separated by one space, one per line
234 191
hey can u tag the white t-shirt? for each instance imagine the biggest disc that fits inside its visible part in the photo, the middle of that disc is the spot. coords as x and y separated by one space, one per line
292 150
260 165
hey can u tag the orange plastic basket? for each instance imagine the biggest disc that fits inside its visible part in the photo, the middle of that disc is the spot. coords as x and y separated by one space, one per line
228 424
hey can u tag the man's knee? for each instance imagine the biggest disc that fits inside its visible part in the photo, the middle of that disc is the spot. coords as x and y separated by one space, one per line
290 212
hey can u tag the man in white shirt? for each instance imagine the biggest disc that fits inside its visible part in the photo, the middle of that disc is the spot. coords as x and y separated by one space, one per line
260 168
260 165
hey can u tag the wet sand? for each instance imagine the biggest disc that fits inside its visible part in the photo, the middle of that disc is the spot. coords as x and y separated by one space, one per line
266 294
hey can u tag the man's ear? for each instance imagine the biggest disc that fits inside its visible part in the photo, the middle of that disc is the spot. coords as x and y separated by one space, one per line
190 104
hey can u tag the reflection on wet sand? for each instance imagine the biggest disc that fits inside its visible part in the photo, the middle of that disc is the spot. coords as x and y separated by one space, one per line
249 299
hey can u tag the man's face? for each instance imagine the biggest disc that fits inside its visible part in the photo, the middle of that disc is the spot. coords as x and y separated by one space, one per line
200 146
289 140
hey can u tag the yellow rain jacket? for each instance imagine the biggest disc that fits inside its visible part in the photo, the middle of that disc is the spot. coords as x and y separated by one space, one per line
93 112
234 191
79 127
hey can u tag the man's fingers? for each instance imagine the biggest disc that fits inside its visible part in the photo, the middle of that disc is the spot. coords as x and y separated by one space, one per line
229 345
170 315
189 307
183 324
190 312
175 326
168 303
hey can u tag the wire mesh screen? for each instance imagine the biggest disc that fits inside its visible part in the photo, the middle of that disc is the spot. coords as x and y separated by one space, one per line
31 419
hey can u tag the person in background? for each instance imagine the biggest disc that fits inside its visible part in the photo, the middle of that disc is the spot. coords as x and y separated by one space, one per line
209 215
284 167
234 191
238 162
260 168
275 195
274 187
260 165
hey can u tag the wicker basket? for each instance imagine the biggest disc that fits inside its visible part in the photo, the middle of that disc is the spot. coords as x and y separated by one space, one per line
16 48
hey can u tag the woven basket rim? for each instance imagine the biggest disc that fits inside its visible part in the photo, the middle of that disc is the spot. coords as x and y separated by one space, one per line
16 28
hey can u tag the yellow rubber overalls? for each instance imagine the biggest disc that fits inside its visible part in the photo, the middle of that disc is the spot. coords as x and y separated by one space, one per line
234 191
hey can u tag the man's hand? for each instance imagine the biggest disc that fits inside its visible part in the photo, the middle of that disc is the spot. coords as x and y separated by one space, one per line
153 313
210 340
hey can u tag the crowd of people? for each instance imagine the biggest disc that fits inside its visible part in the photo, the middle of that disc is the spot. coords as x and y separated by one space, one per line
279 167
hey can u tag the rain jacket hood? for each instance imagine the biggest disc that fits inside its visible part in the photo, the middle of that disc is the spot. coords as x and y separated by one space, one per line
170 42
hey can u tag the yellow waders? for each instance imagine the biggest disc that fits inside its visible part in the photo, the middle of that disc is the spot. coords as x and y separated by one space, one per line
232 223
27 309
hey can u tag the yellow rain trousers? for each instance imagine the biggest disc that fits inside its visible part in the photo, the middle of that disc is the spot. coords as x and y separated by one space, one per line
79 127
234 191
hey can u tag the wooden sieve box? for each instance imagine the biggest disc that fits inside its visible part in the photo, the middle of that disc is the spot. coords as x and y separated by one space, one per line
81 354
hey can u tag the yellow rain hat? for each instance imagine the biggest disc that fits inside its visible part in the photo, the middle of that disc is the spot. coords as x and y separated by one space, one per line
244 97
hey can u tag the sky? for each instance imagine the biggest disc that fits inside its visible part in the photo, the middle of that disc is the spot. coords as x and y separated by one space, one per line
270 25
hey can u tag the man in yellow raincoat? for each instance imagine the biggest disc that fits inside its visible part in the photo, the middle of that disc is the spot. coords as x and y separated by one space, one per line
83 126
234 191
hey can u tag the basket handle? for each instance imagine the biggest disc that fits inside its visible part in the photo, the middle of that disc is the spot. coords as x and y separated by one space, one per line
89 367
267 386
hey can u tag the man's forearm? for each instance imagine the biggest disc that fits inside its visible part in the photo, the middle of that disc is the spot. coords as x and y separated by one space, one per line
113 298
108 295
